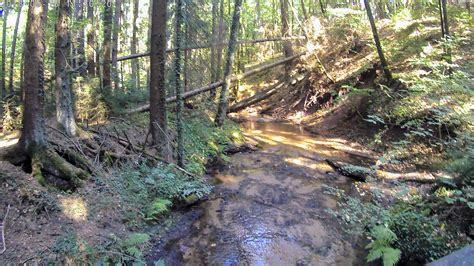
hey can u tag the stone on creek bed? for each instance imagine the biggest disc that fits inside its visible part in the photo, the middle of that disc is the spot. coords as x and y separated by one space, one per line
464 256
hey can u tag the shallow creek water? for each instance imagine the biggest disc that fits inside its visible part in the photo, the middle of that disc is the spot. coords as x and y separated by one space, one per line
269 206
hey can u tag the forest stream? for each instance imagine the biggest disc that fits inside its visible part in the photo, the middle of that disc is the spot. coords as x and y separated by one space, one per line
269 207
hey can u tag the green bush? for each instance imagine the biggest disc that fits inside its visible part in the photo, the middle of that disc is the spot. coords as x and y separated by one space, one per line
420 236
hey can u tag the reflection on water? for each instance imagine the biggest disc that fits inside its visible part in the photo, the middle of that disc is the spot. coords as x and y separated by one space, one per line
269 207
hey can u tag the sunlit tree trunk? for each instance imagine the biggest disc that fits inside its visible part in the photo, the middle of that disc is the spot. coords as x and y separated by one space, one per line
12 56
383 61
158 117
91 47
107 47
22 72
4 45
178 86
222 108
33 136
64 109
445 18
115 43
80 51
441 18
303 10
133 45
321 6
285 31
220 36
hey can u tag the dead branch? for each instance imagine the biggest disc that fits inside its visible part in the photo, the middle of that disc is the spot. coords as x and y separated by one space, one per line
207 46
2 227
216 85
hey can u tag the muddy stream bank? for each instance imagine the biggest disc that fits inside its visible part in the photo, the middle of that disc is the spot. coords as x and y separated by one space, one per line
268 207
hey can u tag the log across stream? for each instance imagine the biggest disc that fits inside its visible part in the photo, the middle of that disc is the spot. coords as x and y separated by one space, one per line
268 207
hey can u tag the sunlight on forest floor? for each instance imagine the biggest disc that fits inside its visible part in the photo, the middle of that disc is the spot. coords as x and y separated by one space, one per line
74 208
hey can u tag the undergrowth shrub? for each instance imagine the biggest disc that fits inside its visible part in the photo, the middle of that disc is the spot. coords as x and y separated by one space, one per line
157 208
12 115
204 142
148 192
420 235
381 246
90 105
134 246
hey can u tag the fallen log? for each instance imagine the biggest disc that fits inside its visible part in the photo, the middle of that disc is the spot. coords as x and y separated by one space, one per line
215 85
207 46
265 94
358 173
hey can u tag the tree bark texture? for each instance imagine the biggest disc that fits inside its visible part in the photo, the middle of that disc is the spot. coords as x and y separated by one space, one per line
64 104
107 48
115 43
133 46
158 116
178 85
33 135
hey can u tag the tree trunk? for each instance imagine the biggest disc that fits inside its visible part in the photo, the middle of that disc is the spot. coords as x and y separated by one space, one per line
213 46
158 118
33 140
445 18
133 46
187 53
222 109
220 36
383 61
91 49
12 58
441 18
115 43
321 5
285 29
303 9
178 87
80 51
106 48
64 109
33 135
4 61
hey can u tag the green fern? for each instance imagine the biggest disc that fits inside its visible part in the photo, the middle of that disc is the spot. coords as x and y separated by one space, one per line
136 239
134 243
381 247
158 207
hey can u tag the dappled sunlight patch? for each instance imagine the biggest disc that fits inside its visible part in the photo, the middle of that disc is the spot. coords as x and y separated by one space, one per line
8 142
297 117
228 179
74 208
301 161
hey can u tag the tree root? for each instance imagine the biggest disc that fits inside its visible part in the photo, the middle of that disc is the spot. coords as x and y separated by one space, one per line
48 161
